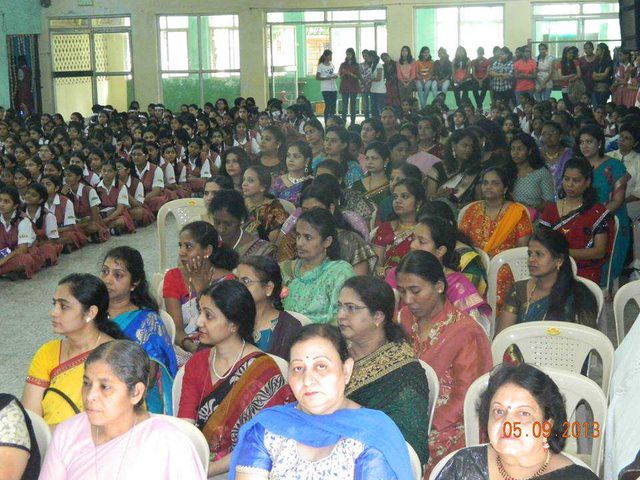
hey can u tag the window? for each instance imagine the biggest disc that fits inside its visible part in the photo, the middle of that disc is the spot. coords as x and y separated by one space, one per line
296 40
561 25
450 27
91 61
199 58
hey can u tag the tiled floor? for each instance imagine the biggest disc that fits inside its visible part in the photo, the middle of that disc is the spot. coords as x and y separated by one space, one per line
25 304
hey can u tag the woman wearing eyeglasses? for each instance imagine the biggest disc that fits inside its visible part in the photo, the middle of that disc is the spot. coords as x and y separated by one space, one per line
386 374
274 328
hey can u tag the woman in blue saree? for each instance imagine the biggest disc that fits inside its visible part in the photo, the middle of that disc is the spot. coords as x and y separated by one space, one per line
324 435
133 309
610 180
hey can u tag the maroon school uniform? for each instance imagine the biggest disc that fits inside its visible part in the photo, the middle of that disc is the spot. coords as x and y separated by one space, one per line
48 249
82 207
29 262
148 217
147 182
72 235
109 199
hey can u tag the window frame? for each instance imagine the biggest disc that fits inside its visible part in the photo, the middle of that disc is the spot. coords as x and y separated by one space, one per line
200 72
90 30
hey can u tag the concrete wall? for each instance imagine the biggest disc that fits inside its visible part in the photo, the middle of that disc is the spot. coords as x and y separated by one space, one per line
16 17
252 16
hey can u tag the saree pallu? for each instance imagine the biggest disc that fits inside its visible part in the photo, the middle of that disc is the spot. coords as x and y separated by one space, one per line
146 328
266 218
62 381
464 296
291 194
378 195
258 247
610 178
396 246
496 235
580 228
392 380
255 384
471 266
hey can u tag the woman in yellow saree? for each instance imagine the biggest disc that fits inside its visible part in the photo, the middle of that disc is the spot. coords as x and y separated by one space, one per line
53 387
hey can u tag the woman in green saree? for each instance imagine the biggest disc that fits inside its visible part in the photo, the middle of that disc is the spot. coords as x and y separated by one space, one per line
387 376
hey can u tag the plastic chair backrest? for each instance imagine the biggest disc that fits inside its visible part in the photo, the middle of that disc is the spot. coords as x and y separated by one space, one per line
518 261
156 283
176 391
42 432
461 213
561 345
573 387
616 228
169 324
283 365
596 291
185 210
630 291
443 461
434 389
195 435
416 467
303 319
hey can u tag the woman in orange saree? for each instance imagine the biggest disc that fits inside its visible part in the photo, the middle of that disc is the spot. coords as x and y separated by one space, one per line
496 223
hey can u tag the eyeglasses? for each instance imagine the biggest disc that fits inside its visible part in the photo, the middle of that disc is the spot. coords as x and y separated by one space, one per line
249 281
349 308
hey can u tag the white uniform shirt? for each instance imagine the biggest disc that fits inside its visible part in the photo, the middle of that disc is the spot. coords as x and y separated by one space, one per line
50 223
158 176
26 235
169 172
69 212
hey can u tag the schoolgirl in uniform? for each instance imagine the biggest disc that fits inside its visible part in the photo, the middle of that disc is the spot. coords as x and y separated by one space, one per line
71 236
86 204
17 237
127 176
44 224
114 201
151 177
171 166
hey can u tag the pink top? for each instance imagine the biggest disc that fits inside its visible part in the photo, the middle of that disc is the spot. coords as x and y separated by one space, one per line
154 448
406 72
424 161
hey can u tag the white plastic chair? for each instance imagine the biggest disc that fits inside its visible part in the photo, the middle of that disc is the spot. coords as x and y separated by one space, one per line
416 466
518 261
169 324
573 387
434 389
561 345
630 291
303 319
156 282
462 212
616 228
42 432
176 391
195 435
283 365
185 210
596 291
443 461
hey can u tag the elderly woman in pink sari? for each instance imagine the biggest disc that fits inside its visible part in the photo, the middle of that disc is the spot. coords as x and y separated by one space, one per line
436 236
116 437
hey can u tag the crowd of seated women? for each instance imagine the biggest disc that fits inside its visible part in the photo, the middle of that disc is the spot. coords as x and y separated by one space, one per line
375 235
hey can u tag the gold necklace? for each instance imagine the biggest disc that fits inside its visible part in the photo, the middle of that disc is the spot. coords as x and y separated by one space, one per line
563 207
530 299
487 219
506 476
